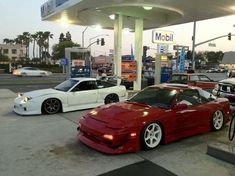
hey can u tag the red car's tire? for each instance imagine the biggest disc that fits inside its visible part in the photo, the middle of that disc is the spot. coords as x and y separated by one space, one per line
217 121
151 135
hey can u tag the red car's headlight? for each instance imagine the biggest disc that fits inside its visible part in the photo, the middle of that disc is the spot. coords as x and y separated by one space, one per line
108 137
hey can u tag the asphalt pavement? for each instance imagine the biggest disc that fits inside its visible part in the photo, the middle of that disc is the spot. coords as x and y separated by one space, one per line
48 145
25 84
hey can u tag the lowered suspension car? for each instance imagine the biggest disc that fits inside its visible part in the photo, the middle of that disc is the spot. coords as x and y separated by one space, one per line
73 94
162 113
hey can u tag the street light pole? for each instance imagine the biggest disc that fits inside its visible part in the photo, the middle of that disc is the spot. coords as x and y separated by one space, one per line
193 46
83 36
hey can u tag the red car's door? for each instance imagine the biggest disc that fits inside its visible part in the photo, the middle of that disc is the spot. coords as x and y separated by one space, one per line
188 118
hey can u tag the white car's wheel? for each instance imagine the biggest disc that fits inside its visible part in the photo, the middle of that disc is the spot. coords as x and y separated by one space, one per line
111 98
42 74
23 74
51 106
151 135
217 120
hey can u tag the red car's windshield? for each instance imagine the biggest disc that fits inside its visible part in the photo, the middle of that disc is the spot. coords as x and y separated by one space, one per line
155 96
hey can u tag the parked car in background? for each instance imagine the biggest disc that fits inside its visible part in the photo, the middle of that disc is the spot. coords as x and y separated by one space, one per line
73 94
193 79
30 71
231 73
226 88
216 70
162 113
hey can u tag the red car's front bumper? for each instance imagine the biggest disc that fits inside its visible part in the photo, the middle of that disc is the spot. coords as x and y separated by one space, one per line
92 135
125 148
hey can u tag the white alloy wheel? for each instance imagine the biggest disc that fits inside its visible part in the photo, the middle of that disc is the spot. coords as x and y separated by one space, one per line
217 120
152 135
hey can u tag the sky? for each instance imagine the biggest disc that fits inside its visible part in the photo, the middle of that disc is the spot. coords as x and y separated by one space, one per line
18 16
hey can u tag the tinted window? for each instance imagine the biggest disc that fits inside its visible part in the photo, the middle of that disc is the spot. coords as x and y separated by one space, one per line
175 78
189 97
155 96
194 78
206 96
104 84
179 79
66 85
86 85
204 78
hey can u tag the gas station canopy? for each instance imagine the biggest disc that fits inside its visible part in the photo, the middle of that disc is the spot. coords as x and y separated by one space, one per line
155 13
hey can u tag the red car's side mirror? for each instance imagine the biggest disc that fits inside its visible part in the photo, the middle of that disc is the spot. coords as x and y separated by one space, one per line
180 106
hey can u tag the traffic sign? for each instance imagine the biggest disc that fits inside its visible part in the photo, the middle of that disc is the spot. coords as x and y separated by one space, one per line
179 47
212 44
64 61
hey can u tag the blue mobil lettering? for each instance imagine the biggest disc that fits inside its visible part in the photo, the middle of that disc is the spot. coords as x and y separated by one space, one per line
166 37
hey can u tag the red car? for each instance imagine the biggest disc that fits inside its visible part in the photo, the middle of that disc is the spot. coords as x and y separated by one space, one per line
193 79
162 113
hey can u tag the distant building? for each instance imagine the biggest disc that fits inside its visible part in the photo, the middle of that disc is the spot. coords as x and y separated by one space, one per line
13 51
228 60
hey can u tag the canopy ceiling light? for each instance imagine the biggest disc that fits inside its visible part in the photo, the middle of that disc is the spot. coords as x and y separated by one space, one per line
147 7
112 17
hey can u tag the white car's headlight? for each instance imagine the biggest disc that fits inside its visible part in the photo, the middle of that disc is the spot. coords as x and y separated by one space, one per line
26 99
20 94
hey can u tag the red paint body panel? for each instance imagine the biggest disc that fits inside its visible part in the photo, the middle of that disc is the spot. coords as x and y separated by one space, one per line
122 119
207 85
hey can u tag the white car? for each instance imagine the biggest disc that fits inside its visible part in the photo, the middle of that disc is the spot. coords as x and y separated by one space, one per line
70 95
30 71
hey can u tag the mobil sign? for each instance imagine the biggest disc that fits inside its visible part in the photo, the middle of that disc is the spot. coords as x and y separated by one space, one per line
162 37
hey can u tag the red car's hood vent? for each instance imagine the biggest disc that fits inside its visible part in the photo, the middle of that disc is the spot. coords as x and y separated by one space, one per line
120 114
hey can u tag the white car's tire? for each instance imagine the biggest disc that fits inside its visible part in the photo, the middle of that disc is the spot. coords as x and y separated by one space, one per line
23 74
51 106
111 98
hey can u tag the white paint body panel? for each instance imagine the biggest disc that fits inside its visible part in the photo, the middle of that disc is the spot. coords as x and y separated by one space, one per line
70 101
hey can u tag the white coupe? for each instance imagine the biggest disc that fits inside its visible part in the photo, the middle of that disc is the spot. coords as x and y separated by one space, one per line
70 95
30 71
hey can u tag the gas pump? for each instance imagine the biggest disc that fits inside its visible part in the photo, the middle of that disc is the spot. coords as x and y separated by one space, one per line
163 69
78 62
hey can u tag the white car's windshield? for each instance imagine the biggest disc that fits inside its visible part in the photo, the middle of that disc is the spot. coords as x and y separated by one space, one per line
66 85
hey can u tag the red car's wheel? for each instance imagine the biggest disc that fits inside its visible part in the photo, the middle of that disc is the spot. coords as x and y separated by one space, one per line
151 135
217 120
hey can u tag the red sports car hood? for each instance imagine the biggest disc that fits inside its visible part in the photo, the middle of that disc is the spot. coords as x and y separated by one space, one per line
122 114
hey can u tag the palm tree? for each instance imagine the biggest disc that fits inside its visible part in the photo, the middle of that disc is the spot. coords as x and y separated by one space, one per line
19 40
40 42
34 38
26 41
7 41
47 36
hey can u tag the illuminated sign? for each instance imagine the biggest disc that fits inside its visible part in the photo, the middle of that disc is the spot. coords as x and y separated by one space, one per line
162 37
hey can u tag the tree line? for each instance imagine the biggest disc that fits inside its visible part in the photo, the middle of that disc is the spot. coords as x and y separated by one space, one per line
42 41
40 38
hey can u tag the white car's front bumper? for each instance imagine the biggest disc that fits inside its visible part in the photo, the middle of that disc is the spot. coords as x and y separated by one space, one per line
28 108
